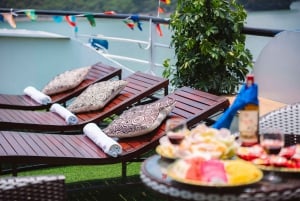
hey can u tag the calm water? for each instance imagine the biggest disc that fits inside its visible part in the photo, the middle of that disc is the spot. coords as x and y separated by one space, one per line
283 19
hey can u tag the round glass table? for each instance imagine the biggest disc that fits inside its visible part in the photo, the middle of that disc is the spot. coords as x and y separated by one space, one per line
153 175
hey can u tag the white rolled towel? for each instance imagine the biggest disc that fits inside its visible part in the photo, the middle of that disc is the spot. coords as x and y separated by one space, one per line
37 95
106 143
69 117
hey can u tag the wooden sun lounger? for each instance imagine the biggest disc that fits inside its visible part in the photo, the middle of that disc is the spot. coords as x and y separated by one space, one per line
20 148
140 86
99 72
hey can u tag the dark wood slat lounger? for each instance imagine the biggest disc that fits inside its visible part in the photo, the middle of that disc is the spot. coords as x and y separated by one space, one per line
140 85
99 72
18 147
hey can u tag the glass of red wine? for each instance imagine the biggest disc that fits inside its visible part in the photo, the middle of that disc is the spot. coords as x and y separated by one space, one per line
272 141
175 130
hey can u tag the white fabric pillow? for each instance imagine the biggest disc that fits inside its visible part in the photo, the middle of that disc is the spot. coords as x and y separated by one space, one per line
140 120
66 81
97 96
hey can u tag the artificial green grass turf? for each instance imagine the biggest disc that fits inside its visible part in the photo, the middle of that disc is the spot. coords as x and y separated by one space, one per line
86 172
100 182
80 173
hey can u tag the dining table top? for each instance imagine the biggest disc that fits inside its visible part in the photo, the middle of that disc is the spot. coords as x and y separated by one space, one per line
265 105
154 176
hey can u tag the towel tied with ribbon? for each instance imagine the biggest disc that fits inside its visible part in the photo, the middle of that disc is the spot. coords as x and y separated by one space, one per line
247 95
69 117
37 95
106 143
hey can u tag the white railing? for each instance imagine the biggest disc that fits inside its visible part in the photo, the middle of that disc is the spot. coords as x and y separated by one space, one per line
148 46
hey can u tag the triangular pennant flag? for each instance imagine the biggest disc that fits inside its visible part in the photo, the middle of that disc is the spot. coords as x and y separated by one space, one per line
57 19
110 12
91 19
166 1
10 19
158 29
31 14
139 25
129 23
160 10
71 19
136 19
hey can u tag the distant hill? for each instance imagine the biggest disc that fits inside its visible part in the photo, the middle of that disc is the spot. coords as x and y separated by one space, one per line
266 4
119 6
127 6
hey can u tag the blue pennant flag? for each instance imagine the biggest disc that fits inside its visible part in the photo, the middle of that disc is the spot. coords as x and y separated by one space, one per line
58 19
1 18
136 19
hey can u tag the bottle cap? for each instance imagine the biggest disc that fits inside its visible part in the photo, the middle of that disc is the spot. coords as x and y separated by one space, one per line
250 77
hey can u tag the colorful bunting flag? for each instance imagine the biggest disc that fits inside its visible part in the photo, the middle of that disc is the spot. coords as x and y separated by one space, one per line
71 19
57 19
166 1
31 14
10 19
160 10
91 19
158 29
129 23
136 20
110 12
139 25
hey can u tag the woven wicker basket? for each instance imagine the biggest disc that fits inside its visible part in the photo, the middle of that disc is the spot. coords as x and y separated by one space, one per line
34 188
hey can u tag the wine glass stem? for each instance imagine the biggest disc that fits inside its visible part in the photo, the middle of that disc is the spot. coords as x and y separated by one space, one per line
273 177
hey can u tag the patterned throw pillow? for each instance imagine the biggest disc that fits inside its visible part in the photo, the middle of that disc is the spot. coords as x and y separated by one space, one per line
65 81
140 120
97 96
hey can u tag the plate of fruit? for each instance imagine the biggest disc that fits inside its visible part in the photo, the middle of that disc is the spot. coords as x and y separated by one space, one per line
200 141
214 172
288 159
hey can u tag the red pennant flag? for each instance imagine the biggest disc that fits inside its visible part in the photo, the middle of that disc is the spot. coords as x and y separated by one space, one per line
71 20
129 23
160 10
110 12
158 29
166 1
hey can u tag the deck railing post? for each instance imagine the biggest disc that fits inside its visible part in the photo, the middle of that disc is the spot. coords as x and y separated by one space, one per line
151 51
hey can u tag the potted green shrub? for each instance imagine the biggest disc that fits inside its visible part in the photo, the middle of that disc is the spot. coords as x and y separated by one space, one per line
209 46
